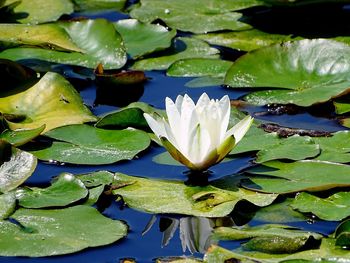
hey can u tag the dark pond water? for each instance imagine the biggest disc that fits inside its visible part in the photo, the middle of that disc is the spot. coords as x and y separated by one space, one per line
157 242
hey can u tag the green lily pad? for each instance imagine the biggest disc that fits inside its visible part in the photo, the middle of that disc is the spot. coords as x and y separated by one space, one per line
16 168
52 102
41 11
94 195
95 179
65 190
306 72
56 232
275 239
98 40
7 204
20 137
246 40
333 208
327 252
48 35
129 116
194 16
93 5
159 196
141 39
310 175
342 234
92 146
341 106
207 81
195 48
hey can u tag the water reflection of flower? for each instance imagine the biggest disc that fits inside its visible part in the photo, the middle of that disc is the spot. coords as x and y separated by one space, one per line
196 233
197 135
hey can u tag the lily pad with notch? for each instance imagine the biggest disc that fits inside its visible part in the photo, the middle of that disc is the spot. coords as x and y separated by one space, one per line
302 72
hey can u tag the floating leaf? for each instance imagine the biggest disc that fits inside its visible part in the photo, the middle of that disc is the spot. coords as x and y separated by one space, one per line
7 204
52 101
159 196
93 5
96 179
333 208
93 146
342 234
56 232
194 48
20 137
65 190
98 39
310 175
246 40
327 252
16 168
306 71
141 39
194 16
41 11
275 239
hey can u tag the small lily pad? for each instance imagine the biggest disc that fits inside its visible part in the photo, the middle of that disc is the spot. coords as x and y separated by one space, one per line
141 39
310 175
16 168
20 137
92 146
56 232
194 48
53 102
305 72
333 208
65 190
159 196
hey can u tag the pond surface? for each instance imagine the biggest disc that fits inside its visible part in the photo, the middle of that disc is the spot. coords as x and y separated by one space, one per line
162 239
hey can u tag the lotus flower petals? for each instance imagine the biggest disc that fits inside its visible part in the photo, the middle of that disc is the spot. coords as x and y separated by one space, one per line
197 135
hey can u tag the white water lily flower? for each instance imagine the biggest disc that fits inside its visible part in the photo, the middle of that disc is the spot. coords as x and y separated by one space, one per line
197 135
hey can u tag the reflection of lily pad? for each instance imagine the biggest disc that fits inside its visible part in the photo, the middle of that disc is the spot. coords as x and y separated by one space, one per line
159 196
57 232
91 145
98 39
311 175
52 101
16 168
66 190
41 11
194 48
192 15
306 72
141 39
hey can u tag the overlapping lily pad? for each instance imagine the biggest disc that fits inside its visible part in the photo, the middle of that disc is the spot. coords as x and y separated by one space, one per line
93 5
275 239
98 40
15 166
305 72
184 47
65 190
21 136
194 16
310 175
246 40
52 102
56 232
92 145
333 208
141 39
7 204
158 196
41 11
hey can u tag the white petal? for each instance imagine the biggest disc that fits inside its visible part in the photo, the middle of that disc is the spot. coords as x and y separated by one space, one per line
200 145
225 108
178 102
189 121
202 102
156 125
240 129
173 117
